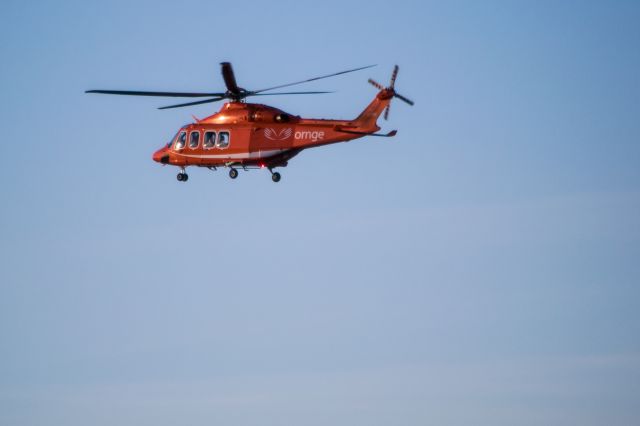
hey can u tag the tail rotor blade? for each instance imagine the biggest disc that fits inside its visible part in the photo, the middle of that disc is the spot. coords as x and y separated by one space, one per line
376 84
402 98
394 74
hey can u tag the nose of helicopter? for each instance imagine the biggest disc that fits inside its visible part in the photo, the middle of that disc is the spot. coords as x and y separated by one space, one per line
161 156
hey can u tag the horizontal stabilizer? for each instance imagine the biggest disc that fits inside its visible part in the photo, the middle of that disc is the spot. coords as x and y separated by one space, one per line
353 132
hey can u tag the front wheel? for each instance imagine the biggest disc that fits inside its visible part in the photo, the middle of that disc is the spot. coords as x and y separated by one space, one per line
233 173
275 177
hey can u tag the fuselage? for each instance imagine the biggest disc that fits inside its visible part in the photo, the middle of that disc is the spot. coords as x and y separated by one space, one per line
255 135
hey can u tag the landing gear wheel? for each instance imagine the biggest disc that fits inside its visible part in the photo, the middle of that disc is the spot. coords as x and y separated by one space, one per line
275 177
233 173
182 175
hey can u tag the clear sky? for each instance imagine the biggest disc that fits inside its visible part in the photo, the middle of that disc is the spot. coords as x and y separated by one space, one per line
482 267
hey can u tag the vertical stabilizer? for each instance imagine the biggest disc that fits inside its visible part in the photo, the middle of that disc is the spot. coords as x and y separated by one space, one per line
367 120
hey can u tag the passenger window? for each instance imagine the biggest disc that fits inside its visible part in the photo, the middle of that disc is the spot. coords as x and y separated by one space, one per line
181 141
194 141
223 140
209 139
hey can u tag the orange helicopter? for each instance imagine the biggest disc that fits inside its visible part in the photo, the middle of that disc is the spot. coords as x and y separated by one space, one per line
244 135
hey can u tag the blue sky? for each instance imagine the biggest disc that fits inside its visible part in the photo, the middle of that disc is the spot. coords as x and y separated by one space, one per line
480 267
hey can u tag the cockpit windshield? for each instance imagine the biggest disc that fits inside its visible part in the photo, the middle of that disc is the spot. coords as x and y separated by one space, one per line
172 140
183 138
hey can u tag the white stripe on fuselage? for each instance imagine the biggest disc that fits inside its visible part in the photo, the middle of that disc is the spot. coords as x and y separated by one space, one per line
240 156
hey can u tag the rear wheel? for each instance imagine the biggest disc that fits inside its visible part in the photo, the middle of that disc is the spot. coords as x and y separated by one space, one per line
275 177
233 173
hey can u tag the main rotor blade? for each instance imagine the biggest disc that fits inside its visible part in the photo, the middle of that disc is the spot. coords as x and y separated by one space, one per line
164 94
386 111
286 93
409 101
229 78
206 101
312 79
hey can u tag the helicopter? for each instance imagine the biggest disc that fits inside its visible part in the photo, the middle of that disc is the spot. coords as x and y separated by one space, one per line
244 135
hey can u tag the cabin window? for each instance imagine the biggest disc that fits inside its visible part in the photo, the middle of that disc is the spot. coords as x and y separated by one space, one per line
181 141
209 139
194 140
223 140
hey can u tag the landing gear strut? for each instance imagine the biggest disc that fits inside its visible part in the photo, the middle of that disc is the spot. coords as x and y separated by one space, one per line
182 176
275 176
233 173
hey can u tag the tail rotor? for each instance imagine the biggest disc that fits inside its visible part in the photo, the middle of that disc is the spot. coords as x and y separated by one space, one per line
391 90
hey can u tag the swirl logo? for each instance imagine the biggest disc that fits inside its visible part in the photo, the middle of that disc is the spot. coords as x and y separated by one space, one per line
276 135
